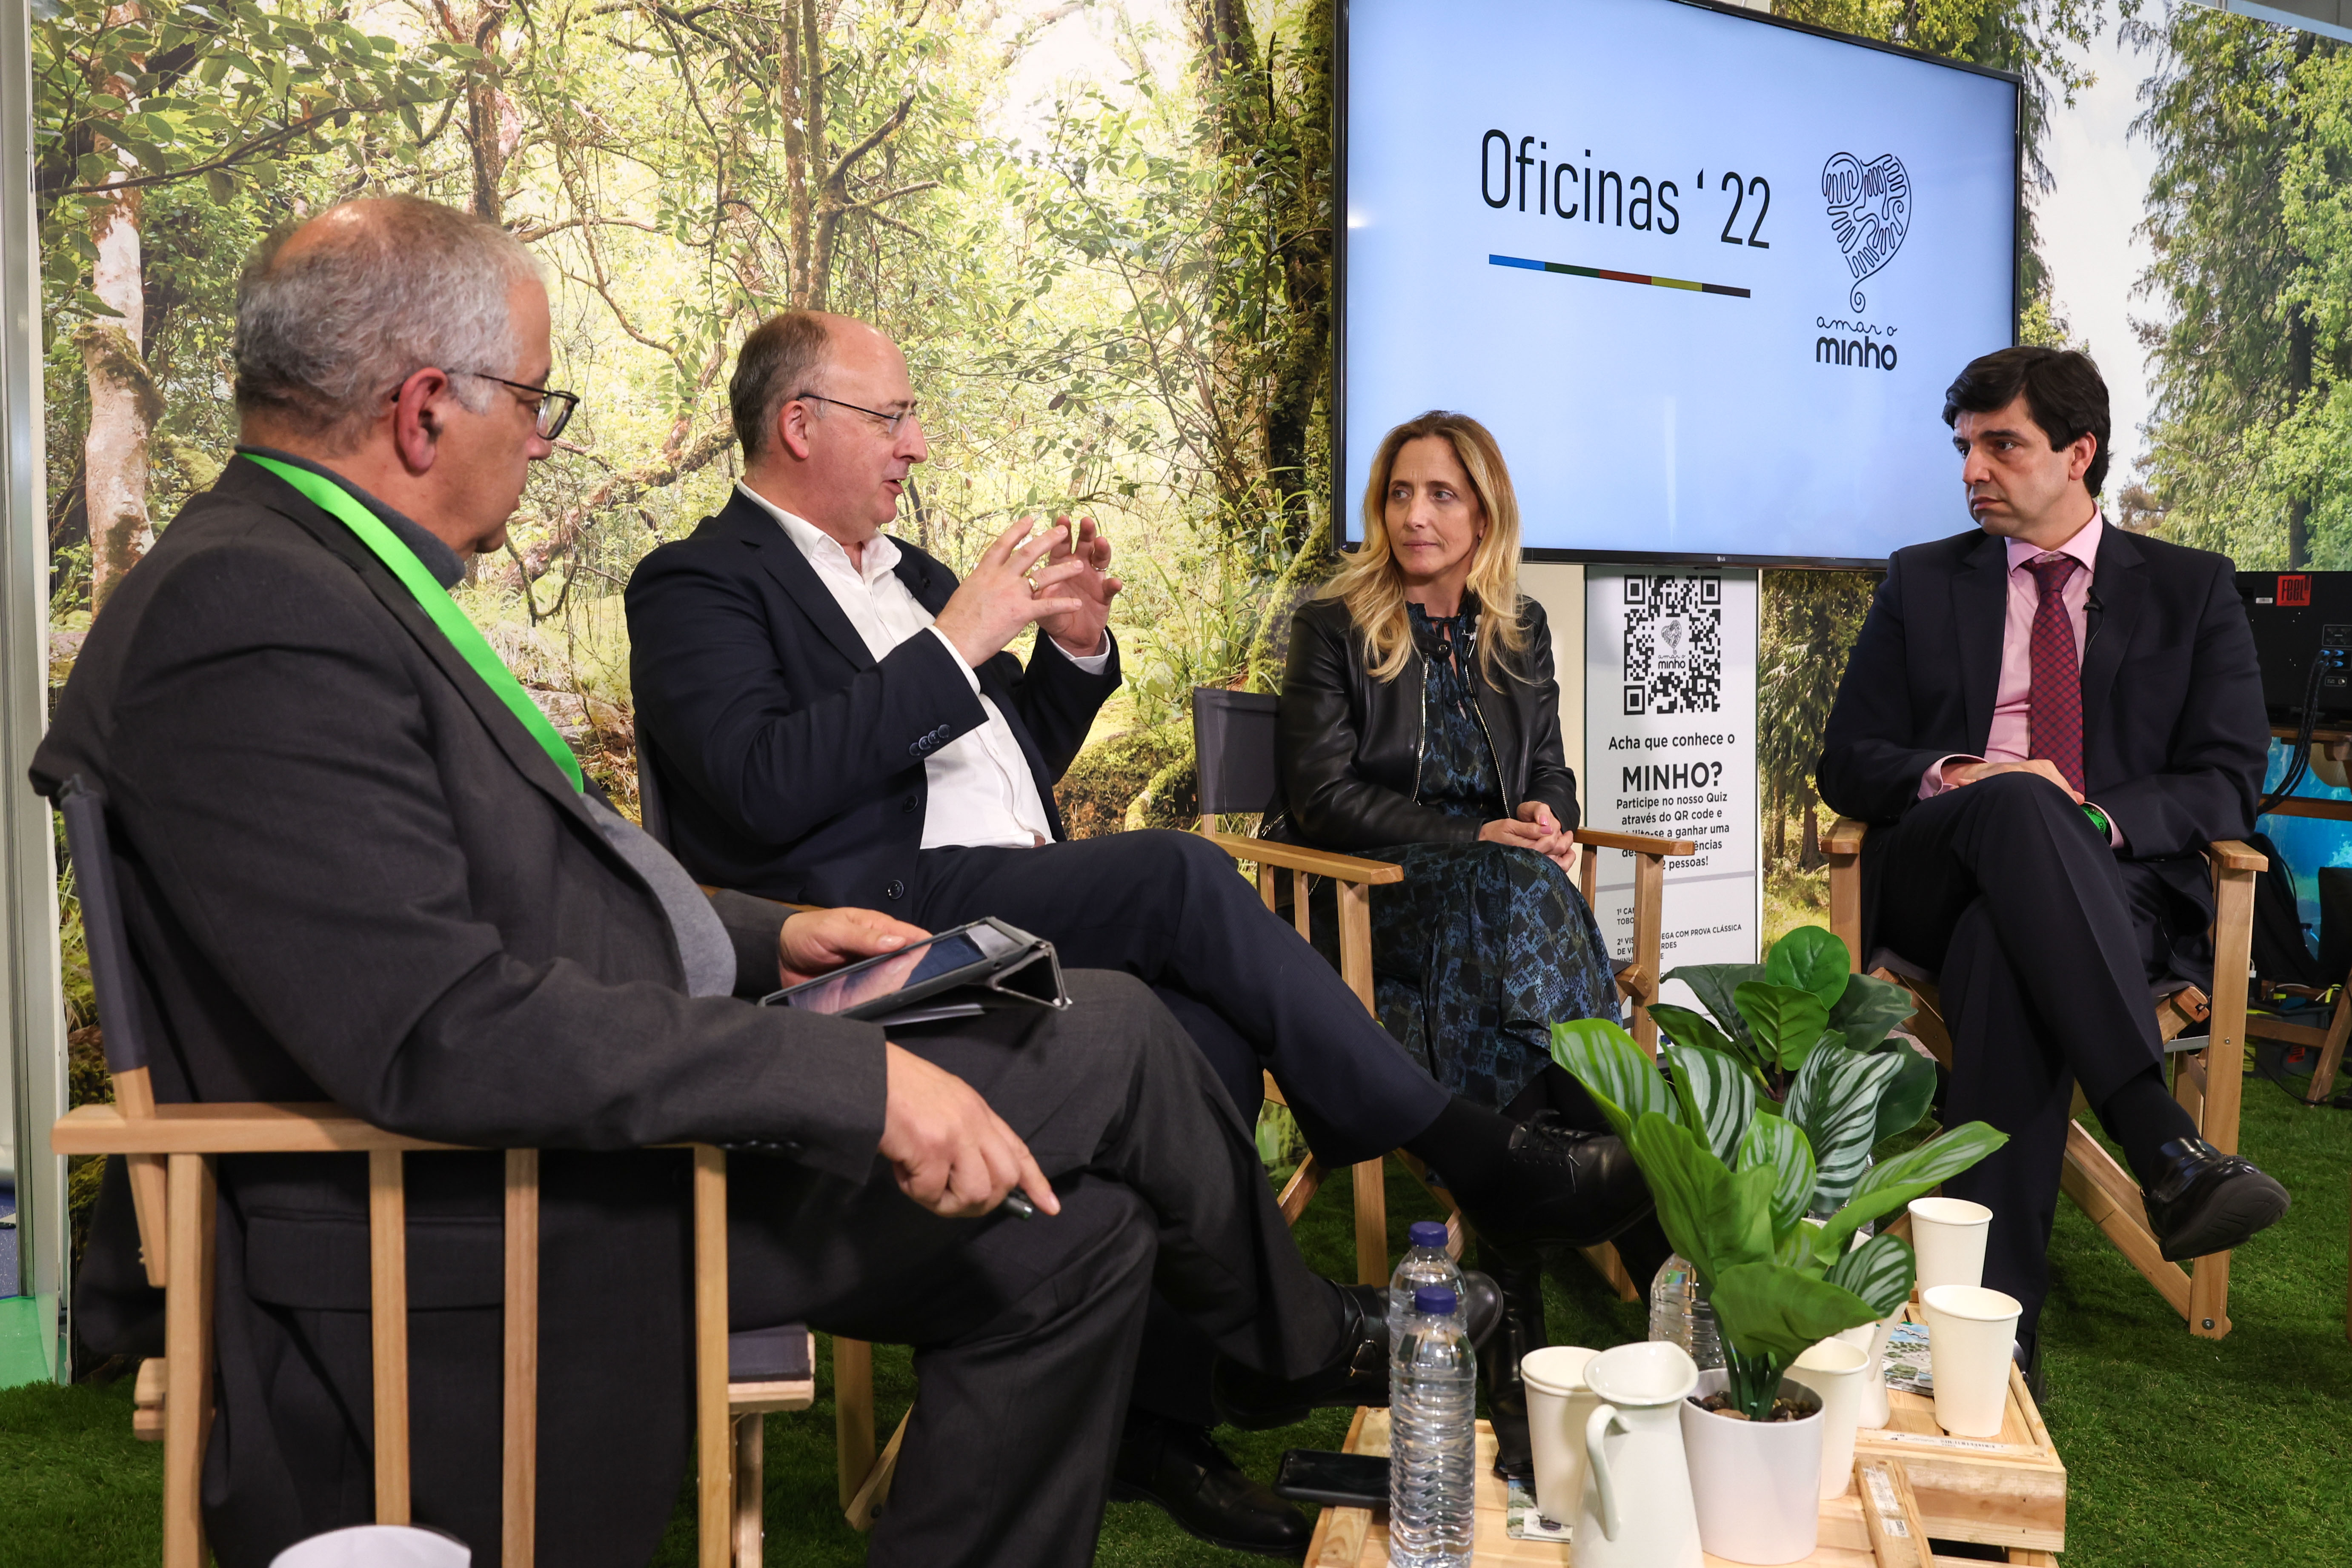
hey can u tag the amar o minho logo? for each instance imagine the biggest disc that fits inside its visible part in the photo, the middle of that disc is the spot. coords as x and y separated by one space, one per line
1870 212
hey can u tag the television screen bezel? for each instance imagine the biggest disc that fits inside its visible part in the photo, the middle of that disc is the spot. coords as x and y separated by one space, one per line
1343 509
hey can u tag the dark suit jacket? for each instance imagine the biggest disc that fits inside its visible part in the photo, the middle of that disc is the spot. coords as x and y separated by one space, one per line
350 874
2174 733
793 761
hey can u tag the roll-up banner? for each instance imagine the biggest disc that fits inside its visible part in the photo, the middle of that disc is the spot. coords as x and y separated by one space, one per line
1670 749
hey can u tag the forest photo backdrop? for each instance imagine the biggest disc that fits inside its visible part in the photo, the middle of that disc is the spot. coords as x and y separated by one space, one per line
1102 229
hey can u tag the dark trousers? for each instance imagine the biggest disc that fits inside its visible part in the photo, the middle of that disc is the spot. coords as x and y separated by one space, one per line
1170 908
1026 1331
2045 945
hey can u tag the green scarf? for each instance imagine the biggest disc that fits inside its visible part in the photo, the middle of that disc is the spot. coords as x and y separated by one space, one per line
435 601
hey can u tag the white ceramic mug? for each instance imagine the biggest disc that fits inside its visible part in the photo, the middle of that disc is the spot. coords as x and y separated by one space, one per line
376 1546
1837 1370
1636 1511
1948 1235
1559 1405
1969 1332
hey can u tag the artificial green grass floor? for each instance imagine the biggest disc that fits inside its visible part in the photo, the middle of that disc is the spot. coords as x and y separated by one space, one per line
2180 1452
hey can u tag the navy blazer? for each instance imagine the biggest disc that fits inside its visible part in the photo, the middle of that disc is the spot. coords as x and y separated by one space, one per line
2175 737
792 761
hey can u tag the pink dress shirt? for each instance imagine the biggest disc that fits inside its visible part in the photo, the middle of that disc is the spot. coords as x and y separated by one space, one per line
2010 740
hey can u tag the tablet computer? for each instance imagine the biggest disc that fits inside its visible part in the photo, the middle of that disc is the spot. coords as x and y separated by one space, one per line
945 976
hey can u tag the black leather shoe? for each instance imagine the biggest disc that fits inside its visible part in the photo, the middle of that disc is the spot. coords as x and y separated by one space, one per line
1519 1274
2206 1201
1566 1185
1210 1497
1255 1401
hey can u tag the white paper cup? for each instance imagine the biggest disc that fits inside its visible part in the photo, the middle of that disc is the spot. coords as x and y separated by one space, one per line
1875 1412
1969 1332
1949 1236
1837 1371
376 1546
1559 1405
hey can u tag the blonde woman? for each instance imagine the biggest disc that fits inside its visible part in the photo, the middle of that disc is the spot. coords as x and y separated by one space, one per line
1420 724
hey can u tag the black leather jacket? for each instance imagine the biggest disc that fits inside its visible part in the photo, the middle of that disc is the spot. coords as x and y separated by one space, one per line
1348 747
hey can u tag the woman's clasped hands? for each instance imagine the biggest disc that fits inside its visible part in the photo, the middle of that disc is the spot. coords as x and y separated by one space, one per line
1534 829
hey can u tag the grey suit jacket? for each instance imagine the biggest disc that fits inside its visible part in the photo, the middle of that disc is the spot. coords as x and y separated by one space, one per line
350 874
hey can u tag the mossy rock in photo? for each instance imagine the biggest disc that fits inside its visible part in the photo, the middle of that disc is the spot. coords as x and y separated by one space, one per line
1094 795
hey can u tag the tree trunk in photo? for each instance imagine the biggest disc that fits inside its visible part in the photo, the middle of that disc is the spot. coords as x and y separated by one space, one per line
1303 369
123 402
1809 852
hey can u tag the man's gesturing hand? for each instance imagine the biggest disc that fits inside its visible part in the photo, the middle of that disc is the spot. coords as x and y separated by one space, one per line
817 942
1080 632
1000 597
952 1154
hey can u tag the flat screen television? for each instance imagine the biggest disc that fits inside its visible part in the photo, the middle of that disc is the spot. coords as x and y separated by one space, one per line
1705 274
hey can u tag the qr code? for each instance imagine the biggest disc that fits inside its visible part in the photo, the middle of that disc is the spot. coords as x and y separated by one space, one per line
1674 644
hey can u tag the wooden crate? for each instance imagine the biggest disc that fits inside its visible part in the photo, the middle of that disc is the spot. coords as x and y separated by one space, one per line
1358 1538
2009 1490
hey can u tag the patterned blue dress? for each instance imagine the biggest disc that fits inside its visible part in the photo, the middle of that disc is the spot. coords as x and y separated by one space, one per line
1481 946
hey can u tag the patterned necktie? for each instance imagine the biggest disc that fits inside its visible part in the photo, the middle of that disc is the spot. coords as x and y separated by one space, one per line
2054 711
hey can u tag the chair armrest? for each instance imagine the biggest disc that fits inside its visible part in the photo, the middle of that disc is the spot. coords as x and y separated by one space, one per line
1636 843
2231 854
1844 836
1314 862
224 1128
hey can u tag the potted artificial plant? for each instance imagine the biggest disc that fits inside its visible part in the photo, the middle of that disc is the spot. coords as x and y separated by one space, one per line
1764 1194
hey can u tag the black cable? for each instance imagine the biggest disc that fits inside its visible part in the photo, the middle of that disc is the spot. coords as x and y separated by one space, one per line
2300 763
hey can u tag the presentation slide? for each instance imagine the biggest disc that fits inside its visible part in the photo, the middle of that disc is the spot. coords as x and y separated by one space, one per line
1705 277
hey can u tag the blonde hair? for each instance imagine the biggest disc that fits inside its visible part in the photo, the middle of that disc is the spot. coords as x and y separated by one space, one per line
1371 587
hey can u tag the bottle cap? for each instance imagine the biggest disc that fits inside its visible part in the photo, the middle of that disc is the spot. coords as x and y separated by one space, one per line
1427 1233
1437 1300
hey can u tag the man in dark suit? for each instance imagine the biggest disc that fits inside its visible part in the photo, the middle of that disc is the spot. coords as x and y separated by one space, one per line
835 717
358 864
2048 718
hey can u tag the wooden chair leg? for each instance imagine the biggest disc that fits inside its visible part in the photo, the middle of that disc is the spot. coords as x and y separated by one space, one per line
2331 1053
1649 916
750 1488
2225 1075
520 1505
388 1329
874 1490
1371 1224
853 1415
714 1450
188 1357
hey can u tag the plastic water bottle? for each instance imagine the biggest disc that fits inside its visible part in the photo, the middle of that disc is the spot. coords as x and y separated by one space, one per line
1432 1435
1680 1315
1425 1263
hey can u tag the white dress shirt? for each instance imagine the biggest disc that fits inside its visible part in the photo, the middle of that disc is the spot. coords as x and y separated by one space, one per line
981 791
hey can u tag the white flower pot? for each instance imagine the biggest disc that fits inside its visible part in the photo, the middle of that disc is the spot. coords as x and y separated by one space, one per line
1757 1483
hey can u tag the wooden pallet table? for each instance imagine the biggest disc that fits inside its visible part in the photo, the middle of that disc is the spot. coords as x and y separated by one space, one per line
1884 1521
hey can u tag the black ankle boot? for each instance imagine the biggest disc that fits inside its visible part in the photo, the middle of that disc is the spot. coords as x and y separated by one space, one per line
1517 1272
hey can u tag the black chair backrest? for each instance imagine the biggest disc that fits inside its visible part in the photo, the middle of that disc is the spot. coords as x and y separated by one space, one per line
113 982
1233 744
652 815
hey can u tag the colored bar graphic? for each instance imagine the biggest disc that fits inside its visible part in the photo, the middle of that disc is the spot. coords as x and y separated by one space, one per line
1573 270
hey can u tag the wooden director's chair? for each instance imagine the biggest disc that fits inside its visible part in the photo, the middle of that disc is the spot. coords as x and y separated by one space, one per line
1232 743
171 1151
2208 1072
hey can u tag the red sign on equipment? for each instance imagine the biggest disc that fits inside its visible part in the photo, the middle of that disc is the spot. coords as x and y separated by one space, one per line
2294 591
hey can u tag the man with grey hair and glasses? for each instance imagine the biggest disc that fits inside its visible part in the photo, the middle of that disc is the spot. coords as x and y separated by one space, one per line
357 865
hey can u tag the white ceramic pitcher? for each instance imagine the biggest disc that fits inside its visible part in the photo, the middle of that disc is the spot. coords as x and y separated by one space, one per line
1637 1512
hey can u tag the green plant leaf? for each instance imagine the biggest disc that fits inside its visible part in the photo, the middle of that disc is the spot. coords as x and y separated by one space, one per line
1714 984
1906 1098
1835 1100
1810 959
1870 1008
1769 1309
1605 1061
1784 1020
1714 1217
1686 1028
1911 1174
1718 1097
1778 1145
1880 1271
